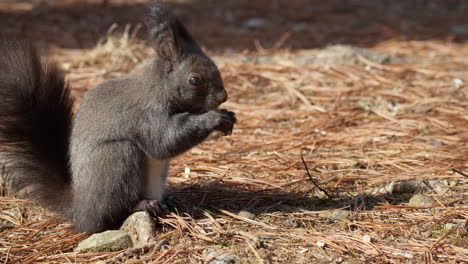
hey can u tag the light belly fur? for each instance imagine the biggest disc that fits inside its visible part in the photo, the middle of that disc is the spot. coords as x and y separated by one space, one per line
155 173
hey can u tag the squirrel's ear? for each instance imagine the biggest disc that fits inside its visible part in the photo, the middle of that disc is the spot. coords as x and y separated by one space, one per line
170 38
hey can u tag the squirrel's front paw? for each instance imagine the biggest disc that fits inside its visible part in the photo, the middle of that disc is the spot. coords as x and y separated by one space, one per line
225 121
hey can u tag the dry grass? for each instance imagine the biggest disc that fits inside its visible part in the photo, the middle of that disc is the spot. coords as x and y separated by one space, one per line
358 128
117 50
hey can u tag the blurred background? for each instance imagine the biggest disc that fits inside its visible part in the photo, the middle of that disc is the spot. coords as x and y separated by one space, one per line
244 25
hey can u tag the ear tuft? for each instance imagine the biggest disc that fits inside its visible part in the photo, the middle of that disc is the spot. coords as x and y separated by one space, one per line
159 19
172 41
159 22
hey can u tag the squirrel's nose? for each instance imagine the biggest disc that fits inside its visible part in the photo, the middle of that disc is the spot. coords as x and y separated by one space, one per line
223 96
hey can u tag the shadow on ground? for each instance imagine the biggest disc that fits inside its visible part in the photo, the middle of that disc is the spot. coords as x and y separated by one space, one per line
195 199
236 25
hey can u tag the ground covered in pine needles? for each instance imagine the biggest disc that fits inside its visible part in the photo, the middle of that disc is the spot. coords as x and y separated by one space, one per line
326 154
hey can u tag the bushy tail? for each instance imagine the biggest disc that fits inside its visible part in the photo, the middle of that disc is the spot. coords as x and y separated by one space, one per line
35 125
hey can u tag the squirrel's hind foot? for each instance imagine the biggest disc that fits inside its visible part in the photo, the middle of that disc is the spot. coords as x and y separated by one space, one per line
153 207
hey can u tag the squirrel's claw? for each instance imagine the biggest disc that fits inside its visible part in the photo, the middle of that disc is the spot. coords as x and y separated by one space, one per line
153 207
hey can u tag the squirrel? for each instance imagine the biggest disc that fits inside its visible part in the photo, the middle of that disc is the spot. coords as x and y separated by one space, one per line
112 158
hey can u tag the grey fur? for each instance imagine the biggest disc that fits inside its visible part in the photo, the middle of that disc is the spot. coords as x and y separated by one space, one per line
157 113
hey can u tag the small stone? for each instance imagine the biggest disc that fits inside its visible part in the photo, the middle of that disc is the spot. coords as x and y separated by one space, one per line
112 240
343 55
435 143
290 223
66 66
217 257
460 29
263 253
338 214
404 254
255 23
458 82
449 226
421 200
440 186
299 27
367 238
422 109
265 60
320 244
426 234
187 172
246 214
140 227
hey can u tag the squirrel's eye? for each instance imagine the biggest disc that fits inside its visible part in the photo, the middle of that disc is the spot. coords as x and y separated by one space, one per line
196 81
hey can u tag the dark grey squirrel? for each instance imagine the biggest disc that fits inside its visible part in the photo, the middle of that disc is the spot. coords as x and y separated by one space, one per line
112 158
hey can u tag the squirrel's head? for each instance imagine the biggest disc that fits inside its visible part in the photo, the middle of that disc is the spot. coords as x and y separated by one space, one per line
191 79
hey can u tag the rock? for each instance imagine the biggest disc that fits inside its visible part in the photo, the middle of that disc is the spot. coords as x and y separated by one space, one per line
458 82
404 254
140 227
421 200
416 186
450 226
262 253
338 214
460 29
291 223
299 27
343 55
265 60
255 23
419 109
216 257
112 240
332 55
220 61
246 214
367 238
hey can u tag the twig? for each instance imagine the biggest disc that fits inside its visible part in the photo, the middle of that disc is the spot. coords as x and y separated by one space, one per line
7 255
312 179
247 220
282 40
459 172
222 176
259 46
440 239
138 250
302 97
257 255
